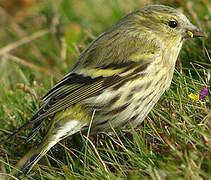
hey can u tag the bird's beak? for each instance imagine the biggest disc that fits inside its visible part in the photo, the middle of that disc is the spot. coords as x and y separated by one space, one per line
192 32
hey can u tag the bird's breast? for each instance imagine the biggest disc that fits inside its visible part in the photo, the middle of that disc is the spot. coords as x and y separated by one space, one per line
128 103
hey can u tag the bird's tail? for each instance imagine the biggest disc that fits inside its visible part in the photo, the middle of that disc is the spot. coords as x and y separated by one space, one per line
33 156
59 129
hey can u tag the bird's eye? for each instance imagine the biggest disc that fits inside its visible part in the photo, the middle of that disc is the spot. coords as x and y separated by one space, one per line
172 24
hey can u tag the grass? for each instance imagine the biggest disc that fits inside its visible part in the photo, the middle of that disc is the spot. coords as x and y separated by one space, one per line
40 40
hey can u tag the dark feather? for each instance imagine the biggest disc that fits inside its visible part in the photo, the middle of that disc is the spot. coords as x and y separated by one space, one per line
35 130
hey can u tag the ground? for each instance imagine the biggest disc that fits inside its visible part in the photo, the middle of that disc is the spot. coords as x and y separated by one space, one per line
40 40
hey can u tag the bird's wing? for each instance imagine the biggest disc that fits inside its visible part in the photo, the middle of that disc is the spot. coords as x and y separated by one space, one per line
75 87
109 60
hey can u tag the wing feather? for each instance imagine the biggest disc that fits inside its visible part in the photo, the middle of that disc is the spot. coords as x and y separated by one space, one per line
117 54
76 87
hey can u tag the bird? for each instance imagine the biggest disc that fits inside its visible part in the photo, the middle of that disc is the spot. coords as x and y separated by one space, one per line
118 79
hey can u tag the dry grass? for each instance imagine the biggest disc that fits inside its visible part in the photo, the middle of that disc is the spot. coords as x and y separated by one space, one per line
40 40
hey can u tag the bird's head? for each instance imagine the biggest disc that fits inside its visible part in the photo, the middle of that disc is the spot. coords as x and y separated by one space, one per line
165 23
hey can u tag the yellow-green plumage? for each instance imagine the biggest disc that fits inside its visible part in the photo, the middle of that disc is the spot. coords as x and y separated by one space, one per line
120 76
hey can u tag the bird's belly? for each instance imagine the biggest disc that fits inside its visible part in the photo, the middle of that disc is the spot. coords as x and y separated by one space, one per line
124 106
